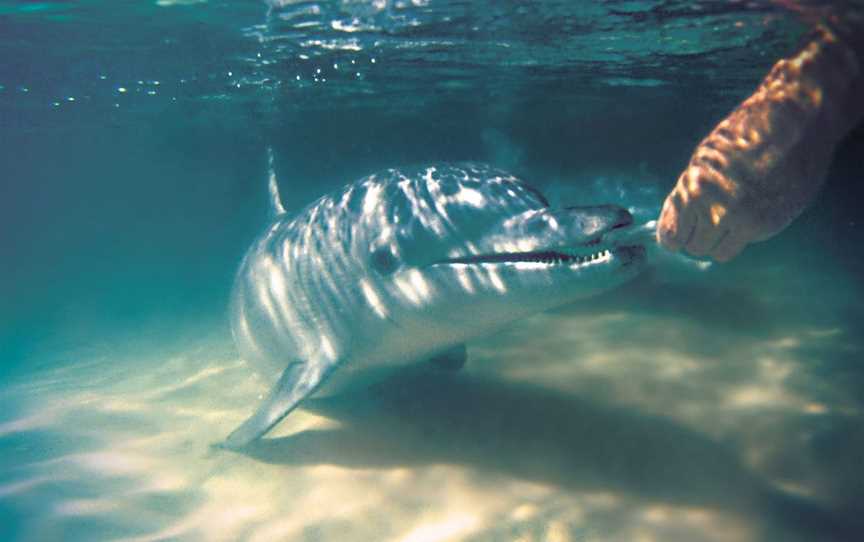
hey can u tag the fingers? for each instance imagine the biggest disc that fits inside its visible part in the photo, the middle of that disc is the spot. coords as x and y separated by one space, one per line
705 237
696 218
676 222
729 246
700 233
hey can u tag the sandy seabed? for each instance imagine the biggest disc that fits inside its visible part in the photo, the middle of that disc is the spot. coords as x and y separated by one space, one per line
666 411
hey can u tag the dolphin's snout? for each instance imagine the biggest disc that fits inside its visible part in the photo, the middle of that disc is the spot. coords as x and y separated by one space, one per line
598 219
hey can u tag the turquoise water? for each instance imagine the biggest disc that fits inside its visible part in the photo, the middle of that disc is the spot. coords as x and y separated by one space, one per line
715 403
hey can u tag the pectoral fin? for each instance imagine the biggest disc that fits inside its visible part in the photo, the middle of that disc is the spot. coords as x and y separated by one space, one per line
297 382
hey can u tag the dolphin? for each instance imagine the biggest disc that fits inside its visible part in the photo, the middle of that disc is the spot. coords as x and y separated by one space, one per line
408 264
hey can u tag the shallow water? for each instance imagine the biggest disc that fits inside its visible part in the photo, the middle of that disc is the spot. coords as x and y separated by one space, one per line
697 403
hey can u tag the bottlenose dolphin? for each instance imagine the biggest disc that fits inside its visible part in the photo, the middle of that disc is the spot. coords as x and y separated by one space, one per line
408 264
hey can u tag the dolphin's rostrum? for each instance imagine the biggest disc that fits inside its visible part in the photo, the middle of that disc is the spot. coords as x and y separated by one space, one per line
409 264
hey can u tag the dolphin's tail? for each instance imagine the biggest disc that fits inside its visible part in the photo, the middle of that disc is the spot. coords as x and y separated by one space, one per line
276 207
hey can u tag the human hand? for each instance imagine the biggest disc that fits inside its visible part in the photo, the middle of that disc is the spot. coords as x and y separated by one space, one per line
764 164
723 201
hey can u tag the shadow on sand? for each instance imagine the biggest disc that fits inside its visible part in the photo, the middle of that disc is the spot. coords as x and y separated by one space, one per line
728 309
418 416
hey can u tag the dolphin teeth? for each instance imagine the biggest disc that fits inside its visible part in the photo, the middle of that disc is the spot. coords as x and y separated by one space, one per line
547 257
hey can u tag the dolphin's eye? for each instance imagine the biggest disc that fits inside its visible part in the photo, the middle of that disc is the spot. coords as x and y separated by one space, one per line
384 261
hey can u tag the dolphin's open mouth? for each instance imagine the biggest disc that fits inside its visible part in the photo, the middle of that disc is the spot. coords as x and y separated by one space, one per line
604 247
551 257
557 256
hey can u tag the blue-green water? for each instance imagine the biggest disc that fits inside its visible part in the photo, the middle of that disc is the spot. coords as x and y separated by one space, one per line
720 403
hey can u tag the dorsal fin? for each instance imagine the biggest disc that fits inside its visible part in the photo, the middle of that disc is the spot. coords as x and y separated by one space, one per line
276 207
